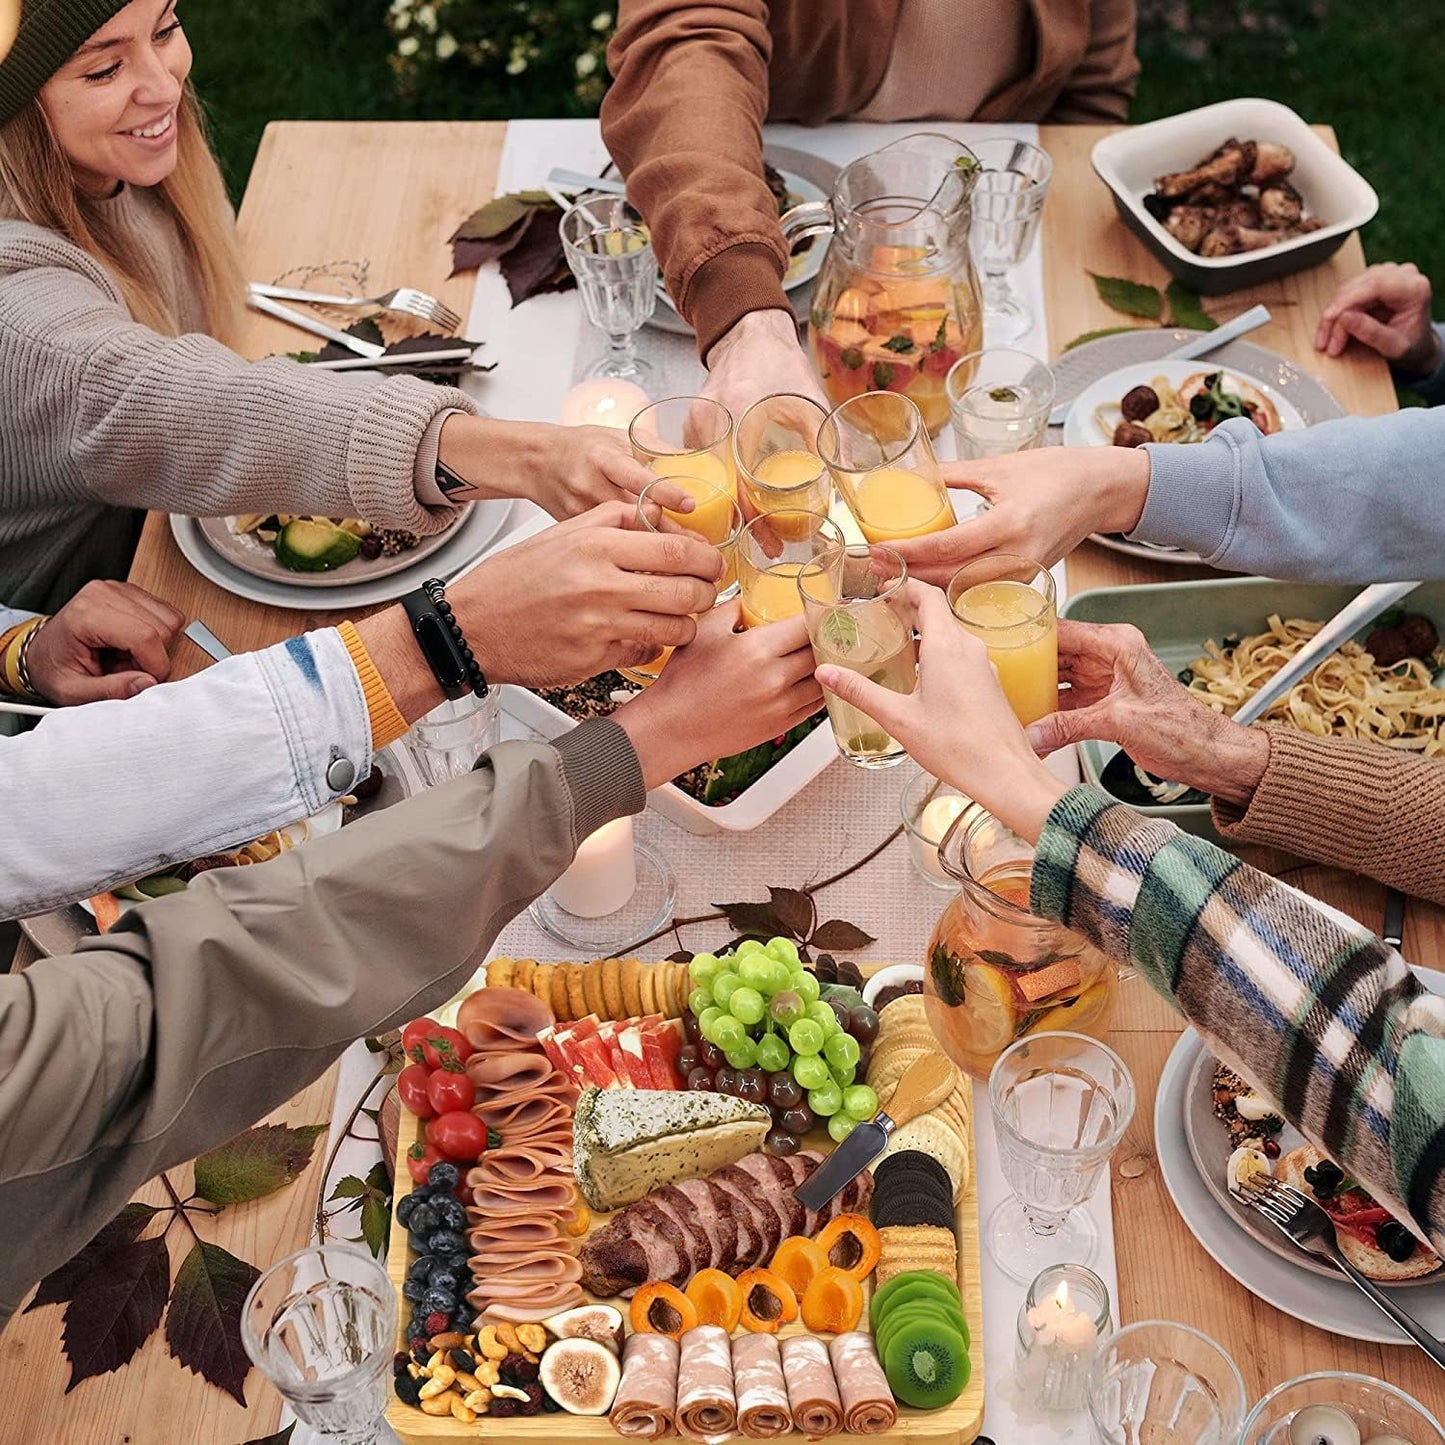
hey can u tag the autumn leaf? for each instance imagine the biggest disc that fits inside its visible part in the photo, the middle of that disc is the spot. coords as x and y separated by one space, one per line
535 262
1187 309
840 937
1131 297
203 1325
500 215
794 910
256 1163
59 1286
376 1224
1089 336
114 1310
752 920
281 1437
470 255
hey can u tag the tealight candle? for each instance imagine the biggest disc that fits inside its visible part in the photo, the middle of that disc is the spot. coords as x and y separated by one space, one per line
1323 1425
603 876
1064 1315
607 401
927 822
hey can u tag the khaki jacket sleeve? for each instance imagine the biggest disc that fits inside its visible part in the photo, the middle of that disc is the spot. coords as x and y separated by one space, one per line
1102 86
684 122
203 1012
1348 804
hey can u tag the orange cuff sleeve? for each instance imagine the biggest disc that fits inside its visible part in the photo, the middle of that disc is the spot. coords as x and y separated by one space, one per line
387 723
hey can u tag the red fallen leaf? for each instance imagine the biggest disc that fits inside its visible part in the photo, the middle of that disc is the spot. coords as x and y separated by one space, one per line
840 936
535 262
115 1310
469 253
203 1325
58 1287
795 909
756 920
281 1437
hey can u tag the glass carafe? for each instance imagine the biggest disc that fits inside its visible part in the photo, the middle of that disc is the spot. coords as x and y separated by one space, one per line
897 301
994 971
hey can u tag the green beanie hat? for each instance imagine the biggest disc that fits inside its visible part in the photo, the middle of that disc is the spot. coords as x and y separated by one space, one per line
51 31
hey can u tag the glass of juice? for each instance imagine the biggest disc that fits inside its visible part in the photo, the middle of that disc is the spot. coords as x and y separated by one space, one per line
1008 603
686 436
779 469
774 551
877 448
1000 402
857 619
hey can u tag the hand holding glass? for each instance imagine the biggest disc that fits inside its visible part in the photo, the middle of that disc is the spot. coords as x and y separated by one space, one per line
773 551
1008 604
779 468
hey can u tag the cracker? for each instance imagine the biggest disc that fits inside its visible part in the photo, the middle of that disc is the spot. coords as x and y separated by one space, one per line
632 987
499 972
542 982
647 987
561 1010
611 971
934 1136
522 975
592 989
576 997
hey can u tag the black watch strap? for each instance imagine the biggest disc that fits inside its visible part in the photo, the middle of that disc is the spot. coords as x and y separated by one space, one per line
442 642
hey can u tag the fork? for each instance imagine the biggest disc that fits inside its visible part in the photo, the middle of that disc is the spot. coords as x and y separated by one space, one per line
405 300
1309 1228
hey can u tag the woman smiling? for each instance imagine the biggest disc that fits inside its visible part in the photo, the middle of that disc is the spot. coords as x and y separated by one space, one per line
120 280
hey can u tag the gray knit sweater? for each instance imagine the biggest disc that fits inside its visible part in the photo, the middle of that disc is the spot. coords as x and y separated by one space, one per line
99 415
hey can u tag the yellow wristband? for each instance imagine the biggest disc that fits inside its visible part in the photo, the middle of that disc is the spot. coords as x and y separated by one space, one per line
12 644
387 723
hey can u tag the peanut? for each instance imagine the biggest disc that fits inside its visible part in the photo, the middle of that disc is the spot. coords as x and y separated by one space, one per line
440 1404
532 1338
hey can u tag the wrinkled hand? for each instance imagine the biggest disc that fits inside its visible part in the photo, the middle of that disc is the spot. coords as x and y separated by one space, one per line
957 722
1120 692
1386 308
723 693
759 357
109 641
585 596
1042 504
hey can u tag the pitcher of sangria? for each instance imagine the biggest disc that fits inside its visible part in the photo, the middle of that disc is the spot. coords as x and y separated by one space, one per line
994 971
897 301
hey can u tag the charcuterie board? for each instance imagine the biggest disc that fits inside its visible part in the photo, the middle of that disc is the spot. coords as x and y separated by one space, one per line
956 1424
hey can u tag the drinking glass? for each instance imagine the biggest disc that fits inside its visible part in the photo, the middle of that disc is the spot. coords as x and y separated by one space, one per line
877 448
1007 204
1158 1381
447 742
1375 1409
928 808
610 253
857 619
1008 603
779 468
1000 402
774 550
321 1326
686 436
1060 1103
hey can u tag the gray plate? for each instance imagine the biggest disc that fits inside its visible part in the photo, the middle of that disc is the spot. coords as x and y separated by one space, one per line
1084 365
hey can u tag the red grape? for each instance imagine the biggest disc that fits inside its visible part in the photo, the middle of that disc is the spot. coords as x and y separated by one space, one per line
700 1078
727 1080
752 1086
691 1027
798 1120
687 1059
784 1091
863 1024
710 1056
779 1141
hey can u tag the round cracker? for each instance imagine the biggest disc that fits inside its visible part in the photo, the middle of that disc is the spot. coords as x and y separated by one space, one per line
611 971
632 987
576 998
592 993
561 1008
542 982
499 972
522 975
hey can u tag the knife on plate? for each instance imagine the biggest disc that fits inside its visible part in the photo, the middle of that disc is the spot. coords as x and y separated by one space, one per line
924 1086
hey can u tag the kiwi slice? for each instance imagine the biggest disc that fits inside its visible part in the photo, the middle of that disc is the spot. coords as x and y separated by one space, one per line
926 1363
920 1313
911 1285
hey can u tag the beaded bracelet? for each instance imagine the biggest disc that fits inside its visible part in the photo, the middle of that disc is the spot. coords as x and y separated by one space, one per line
442 641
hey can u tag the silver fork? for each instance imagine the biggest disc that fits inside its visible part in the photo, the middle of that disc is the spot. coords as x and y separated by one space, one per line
405 300
1304 1223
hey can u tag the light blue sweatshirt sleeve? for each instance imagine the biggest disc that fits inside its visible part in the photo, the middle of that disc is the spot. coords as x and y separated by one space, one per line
1432 387
1357 500
105 793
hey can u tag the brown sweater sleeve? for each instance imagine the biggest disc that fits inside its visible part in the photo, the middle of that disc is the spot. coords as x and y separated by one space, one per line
1103 85
1349 804
684 122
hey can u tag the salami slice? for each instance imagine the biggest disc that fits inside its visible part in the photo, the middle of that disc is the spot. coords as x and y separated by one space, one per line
812 1390
762 1393
868 1405
707 1408
646 1402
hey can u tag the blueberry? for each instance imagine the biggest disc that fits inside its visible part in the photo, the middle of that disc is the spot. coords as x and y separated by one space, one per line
443 1176
446 1241
421 1266
413 1290
451 1213
444 1279
417 1242
404 1207
439 1301
423 1218
457 1261
549 1405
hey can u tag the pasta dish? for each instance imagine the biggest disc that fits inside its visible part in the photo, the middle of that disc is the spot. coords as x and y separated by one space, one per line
1163 412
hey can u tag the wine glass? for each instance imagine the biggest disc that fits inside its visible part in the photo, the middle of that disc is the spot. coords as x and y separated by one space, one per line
1061 1103
1007 204
610 254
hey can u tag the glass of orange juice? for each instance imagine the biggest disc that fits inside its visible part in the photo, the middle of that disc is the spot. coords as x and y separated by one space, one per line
686 436
774 551
1008 604
776 447
877 448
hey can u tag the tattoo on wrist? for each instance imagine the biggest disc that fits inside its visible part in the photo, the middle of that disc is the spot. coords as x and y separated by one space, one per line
453 487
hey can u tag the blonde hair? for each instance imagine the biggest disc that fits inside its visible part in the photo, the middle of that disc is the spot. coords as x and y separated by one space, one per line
40 184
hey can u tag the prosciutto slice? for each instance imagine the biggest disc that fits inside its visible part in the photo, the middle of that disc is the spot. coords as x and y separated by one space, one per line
646 1400
707 1408
762 1393
868 1405
812 1390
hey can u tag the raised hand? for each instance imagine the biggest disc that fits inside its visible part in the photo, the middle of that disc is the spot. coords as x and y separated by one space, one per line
760 357
1386 308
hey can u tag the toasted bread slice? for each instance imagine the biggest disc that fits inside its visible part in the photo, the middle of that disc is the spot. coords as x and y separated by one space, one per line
1265 414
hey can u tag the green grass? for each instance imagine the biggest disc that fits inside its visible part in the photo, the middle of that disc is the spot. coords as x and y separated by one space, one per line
1373 76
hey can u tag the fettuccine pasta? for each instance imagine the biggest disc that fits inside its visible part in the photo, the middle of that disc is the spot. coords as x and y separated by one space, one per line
1172 422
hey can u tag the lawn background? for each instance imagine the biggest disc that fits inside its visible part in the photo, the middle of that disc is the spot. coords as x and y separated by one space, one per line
1374 72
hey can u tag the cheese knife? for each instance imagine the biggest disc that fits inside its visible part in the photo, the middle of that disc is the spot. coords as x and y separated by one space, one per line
924 1086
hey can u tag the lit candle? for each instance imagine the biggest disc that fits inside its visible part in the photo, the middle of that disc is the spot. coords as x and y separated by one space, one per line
935 819
1057 1339
607 401
603 875
1058 1324
1323 1425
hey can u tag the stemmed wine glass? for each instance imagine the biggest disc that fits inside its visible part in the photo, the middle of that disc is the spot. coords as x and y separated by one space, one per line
610 253
1007 204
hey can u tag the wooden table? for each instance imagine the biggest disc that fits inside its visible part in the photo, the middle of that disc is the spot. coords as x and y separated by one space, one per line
392 193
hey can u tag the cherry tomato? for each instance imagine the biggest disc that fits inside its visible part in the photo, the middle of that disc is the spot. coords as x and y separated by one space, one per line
447 1092
461 1137
411 1088
419 1160
444 1048
413 1034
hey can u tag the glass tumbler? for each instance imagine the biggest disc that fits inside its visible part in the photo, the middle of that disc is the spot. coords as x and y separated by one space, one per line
774 551
1000 402
779 469
1334 1405
447 742
1009 604
1162 1381
321 1326
1060 1103
1007 204
610 254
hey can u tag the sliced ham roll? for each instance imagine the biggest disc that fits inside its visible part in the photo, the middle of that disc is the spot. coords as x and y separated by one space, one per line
500 1018
522 1314
492 1195
762 1393
506 1071
812 1390
868 1405
646 1402
523 1164
541 1265
707 1408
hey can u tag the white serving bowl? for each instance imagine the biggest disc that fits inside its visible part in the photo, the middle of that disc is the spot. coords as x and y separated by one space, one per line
1130 160
894 974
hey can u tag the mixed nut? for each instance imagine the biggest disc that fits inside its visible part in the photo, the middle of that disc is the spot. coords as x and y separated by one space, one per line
491 1372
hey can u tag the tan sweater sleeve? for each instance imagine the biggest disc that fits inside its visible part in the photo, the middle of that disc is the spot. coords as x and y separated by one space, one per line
684 122
1349 804
1102 86
96 406
200 1014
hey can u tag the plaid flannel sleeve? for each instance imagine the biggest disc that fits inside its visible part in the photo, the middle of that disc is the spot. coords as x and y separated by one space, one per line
1317 1014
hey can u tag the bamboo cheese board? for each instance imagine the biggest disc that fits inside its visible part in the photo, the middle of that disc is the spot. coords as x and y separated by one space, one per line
955 1424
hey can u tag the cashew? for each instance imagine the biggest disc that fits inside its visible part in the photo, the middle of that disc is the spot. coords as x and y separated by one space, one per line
440 1404
442 1379
460 1411
439 1357
533 1337
488 1372
490 1343
508 1392
414 1370
507 1334
479 1401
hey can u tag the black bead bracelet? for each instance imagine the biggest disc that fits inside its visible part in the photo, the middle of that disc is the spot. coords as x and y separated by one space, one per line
442 641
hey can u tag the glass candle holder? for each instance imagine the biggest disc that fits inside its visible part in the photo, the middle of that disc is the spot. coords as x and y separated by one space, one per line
1335 1406
1063 1317
929 808
447 742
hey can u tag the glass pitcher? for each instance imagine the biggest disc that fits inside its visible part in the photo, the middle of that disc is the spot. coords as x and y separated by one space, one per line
897 300
994 971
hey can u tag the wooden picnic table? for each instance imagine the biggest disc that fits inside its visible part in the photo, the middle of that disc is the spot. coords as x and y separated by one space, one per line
392 193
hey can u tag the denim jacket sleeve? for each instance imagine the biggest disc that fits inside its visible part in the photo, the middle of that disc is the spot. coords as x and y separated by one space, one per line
101 794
